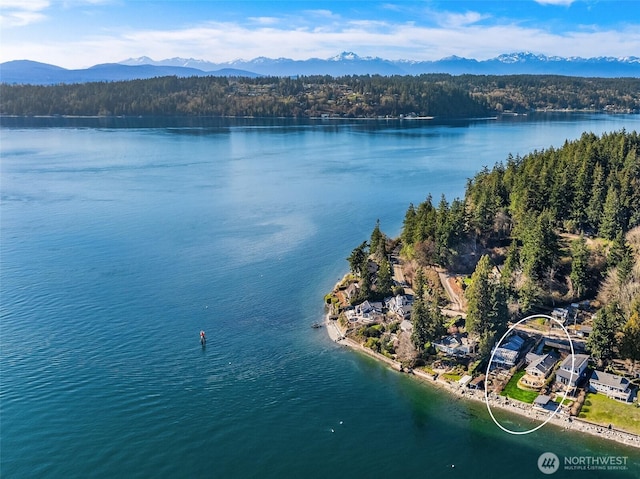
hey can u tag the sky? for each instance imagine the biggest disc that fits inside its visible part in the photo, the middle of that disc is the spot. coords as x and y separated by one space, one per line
81 33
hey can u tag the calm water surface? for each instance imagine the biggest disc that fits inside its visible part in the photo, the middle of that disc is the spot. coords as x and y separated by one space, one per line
121 239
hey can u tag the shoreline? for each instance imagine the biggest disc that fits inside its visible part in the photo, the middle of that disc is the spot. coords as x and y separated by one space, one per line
499 402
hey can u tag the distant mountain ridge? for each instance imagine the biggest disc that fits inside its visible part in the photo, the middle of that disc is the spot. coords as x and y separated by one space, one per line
346 63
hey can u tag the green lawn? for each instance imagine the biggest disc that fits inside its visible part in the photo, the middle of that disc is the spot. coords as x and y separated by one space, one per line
513 391
600 409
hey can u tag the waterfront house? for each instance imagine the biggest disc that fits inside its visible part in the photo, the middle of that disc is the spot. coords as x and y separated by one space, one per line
611 385
567 378
352 291
456 345
400 305
506 355
368 310
539 368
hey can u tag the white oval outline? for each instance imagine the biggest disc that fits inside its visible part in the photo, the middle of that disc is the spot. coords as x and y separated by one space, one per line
486 392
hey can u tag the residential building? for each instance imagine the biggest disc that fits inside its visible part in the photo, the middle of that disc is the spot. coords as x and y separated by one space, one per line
352 291
400 305
568 378
612 385
538 370
456 345
506 356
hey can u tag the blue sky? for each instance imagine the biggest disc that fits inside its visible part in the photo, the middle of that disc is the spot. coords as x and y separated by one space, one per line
81 33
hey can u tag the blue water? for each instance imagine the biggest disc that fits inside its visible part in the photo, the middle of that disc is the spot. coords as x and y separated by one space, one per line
120 239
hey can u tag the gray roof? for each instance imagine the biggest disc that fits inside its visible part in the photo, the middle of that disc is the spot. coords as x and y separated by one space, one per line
580 359
543 364
611 380
542 399
514 344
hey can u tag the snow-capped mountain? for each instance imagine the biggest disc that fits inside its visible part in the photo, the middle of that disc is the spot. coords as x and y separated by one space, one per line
345 63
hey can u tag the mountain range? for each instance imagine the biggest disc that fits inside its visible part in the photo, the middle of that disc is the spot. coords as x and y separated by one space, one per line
346 63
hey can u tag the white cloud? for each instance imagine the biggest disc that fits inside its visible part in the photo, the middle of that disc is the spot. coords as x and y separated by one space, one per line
555 2
18 13
456 20
463 35
264 20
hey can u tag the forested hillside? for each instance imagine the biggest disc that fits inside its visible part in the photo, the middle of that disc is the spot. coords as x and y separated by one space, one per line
554 219
349 97
522 93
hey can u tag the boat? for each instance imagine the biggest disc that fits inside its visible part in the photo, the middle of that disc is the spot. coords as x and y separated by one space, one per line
316 325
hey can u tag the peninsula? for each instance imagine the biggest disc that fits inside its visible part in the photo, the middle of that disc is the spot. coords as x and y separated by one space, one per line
553 238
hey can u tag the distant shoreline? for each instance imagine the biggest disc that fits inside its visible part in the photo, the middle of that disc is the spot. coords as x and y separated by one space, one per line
499 402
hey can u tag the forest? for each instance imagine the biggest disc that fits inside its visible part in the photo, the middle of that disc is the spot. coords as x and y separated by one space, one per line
552 227
367 96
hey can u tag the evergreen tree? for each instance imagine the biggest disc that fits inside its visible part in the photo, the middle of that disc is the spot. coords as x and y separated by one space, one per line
630 341
499 315
579 266
358 259
529 295
611 222
427 323
602 340
418 284
619 249
539 246
409 225
385 278
419 320
376 245
511 265
597 198
480 298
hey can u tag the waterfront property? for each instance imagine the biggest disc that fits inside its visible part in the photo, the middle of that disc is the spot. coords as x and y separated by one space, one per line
400 305
568 378
456 345
507 355
611 385
538 369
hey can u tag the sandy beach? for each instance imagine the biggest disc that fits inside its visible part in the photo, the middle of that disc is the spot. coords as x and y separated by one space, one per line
499 402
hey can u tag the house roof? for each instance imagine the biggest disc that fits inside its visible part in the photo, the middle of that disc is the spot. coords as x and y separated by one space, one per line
543 364
612 380
541 400
579 360
514 344
477 380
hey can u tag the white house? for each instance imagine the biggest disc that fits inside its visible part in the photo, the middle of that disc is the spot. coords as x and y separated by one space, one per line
400 305
567 378
560 314
368 311
612 385
507 355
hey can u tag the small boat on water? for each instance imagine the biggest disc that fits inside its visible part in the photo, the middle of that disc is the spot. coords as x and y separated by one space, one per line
316 325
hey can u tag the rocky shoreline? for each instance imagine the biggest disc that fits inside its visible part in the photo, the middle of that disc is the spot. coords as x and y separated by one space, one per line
499 402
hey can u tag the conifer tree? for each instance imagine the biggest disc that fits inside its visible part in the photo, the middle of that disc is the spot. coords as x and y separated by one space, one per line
579 266
603 339
630 341
479 297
